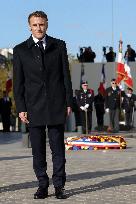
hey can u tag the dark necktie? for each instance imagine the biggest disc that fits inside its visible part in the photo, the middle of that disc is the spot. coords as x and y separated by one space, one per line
40 43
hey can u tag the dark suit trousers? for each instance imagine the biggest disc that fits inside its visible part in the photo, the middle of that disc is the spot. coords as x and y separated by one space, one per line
128 117
114 119
56 141
100 116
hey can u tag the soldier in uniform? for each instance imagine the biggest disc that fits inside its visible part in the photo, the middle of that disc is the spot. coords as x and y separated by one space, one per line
85 98
128 106
100 110
112 104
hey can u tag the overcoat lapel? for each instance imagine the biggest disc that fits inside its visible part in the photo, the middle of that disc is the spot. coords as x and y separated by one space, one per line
49 43
36 53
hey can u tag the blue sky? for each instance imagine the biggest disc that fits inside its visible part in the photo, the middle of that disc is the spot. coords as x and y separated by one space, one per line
78 22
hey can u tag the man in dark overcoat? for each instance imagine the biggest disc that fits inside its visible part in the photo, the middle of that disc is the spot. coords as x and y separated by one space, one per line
112 104
43 96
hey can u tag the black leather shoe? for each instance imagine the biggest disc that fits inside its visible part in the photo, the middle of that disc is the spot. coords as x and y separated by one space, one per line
41 193
60 193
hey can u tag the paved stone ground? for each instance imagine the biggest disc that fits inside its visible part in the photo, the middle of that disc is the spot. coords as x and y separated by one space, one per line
93 177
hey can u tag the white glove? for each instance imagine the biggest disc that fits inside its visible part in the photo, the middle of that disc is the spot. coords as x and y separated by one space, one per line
82 108
107 110
86 106
124 111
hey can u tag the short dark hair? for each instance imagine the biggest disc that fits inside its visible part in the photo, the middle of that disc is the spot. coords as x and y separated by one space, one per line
130 89
113 80
84 82
37 14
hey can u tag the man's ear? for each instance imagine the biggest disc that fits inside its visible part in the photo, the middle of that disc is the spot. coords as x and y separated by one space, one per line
47 25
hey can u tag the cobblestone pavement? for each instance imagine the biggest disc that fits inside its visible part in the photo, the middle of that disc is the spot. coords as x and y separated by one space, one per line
93 177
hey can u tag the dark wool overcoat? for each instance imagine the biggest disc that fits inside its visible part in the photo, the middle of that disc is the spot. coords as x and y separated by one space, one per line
41 81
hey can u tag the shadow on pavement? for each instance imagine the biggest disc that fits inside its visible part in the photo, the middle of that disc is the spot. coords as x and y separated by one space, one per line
15 157
19 186
91 175
127 180
10 137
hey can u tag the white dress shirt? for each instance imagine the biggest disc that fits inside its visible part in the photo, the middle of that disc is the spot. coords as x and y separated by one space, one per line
36 41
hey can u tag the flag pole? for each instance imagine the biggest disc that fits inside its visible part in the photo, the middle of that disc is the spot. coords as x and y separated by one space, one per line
122 82
112 25
112 35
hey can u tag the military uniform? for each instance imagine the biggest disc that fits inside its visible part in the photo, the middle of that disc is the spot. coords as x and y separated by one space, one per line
112 101
83 98
128 105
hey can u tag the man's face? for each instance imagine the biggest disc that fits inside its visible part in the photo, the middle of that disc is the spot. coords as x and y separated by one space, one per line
38 27
129 91
85 86
113 84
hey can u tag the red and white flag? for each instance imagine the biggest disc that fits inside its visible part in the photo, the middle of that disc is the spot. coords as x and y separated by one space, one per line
128 77
123 69
120 65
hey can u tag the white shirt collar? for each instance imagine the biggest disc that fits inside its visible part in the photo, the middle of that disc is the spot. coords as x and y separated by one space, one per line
36 40
114 88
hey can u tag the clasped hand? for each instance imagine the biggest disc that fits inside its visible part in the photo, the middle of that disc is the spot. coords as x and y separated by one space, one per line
84 108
